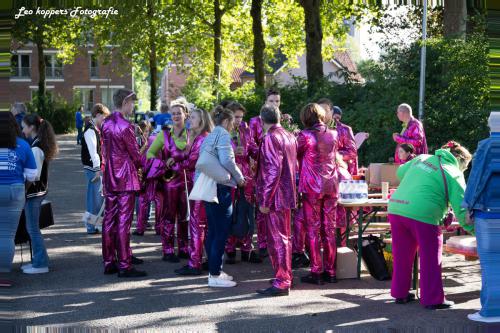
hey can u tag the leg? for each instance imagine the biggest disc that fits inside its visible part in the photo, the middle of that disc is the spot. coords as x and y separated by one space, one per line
430 245
142 213
329 209
159 202
280 246
312 223
299 233
32 211
169 213
109 231
12 200
182 223
197 228
261 230
126 202
404 248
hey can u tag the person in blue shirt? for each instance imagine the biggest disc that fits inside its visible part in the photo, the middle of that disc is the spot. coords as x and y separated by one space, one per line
164 118
19 111
17 166
79 124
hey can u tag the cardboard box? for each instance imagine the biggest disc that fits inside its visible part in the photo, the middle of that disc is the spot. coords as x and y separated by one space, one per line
347 261
382 172
373 174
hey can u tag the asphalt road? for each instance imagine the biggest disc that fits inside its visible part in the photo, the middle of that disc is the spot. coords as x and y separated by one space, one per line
76 296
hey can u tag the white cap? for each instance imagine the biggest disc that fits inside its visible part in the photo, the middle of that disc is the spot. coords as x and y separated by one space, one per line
494 122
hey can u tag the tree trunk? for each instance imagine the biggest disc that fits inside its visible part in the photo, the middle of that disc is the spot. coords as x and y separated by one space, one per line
455 18
217 29
153 69
314 39
41 67
258 43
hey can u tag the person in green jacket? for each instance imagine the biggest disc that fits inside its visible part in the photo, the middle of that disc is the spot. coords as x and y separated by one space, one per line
416 211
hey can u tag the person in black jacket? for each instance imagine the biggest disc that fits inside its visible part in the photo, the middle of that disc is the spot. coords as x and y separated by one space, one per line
44 148
91 160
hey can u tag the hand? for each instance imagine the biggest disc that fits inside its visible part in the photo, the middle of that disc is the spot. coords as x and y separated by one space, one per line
139 173
240 151
242 183
264 210
170 162
394 136
97 175
469 219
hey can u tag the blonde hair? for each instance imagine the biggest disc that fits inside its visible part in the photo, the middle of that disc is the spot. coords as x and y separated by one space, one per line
206 122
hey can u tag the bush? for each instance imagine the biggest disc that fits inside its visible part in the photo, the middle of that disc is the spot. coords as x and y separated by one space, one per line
57 111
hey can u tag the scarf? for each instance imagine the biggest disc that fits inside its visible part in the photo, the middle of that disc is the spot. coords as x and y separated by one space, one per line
180 142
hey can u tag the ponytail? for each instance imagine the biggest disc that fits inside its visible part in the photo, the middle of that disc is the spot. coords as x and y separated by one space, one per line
45 133
461 153
219 114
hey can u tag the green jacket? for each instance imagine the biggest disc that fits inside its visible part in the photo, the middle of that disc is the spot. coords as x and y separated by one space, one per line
421 194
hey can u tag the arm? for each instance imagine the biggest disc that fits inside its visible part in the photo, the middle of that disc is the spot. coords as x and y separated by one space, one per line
414 136
348 145
131 146
271 162
456 190
156 146
226 157
91 140
302 144
30 169
39 158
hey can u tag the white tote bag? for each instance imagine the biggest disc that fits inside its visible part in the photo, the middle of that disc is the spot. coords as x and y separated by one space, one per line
204 189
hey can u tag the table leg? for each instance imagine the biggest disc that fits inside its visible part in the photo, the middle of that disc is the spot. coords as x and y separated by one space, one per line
360 239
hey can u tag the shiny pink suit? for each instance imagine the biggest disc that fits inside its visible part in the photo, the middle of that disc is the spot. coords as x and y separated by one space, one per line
198 218
257 132
175 201
275 189
318 184
347 147
250 151
121 159
415 135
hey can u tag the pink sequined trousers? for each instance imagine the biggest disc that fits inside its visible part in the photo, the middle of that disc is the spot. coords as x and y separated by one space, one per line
198 231
174 209
299 232
319 217
118 214
260 220
279 245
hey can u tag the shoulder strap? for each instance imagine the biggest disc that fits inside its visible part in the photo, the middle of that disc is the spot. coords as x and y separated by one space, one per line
444 181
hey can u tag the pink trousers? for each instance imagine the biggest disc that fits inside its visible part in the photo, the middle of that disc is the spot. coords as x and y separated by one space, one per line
279 246
198 230
118 214
174 209
299 232
407 236
260 220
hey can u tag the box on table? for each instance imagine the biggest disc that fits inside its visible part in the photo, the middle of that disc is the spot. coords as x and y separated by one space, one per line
382 172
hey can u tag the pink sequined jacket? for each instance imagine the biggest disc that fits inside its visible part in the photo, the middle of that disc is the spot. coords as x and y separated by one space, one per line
414 135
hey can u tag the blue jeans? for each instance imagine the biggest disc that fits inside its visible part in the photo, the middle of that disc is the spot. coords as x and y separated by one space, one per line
219 218
12 199
79 135
32 211
94 197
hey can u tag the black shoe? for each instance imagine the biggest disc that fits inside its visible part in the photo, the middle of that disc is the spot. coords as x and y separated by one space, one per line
231 258
137 261
328 278
255 258
409 298
171 257
271 281
245 256
313 279
263 253
273 291
131 273
188 270
138 233
110 271
300 260
204 266
183 255
445 305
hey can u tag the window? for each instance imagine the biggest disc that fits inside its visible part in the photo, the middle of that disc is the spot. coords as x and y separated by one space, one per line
94 66
107 96
53 67
20 65
85 97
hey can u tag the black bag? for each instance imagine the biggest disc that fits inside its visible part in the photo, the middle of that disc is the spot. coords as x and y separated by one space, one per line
373 257
243 216
46 220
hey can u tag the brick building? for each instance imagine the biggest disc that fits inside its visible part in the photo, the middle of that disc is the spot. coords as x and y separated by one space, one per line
86 81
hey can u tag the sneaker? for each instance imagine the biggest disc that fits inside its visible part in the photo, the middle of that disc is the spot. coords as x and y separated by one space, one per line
131 273
34 270
328 278
171 257
188 270
231 258
137 261
217 282
445 305
225 276
409 298
111 270
23 267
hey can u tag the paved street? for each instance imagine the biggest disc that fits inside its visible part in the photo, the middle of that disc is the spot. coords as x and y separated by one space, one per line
76 293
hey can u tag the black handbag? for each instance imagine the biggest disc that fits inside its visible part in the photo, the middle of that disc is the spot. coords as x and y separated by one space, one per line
373 257
45 221
243 216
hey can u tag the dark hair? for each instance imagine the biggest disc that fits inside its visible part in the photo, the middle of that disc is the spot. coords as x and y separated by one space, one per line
270 114
219 114
99 109
272 91
225 102
164 108
407 147
45 134
325 101
312 114
144 125
235 106
120 95
9 130
461 153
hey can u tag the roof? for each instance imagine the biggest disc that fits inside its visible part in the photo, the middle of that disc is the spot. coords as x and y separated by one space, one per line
345 60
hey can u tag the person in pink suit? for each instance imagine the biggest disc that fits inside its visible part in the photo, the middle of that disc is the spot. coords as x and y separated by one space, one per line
246 152
276 196
174 143
412 132
256 125
318 184
121 181
144 202
201 125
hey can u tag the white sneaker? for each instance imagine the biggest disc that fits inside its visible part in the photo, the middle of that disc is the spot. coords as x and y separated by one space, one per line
217 282
225 276
33 270
23 267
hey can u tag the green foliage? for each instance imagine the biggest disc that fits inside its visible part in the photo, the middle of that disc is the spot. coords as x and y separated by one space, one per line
57 111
